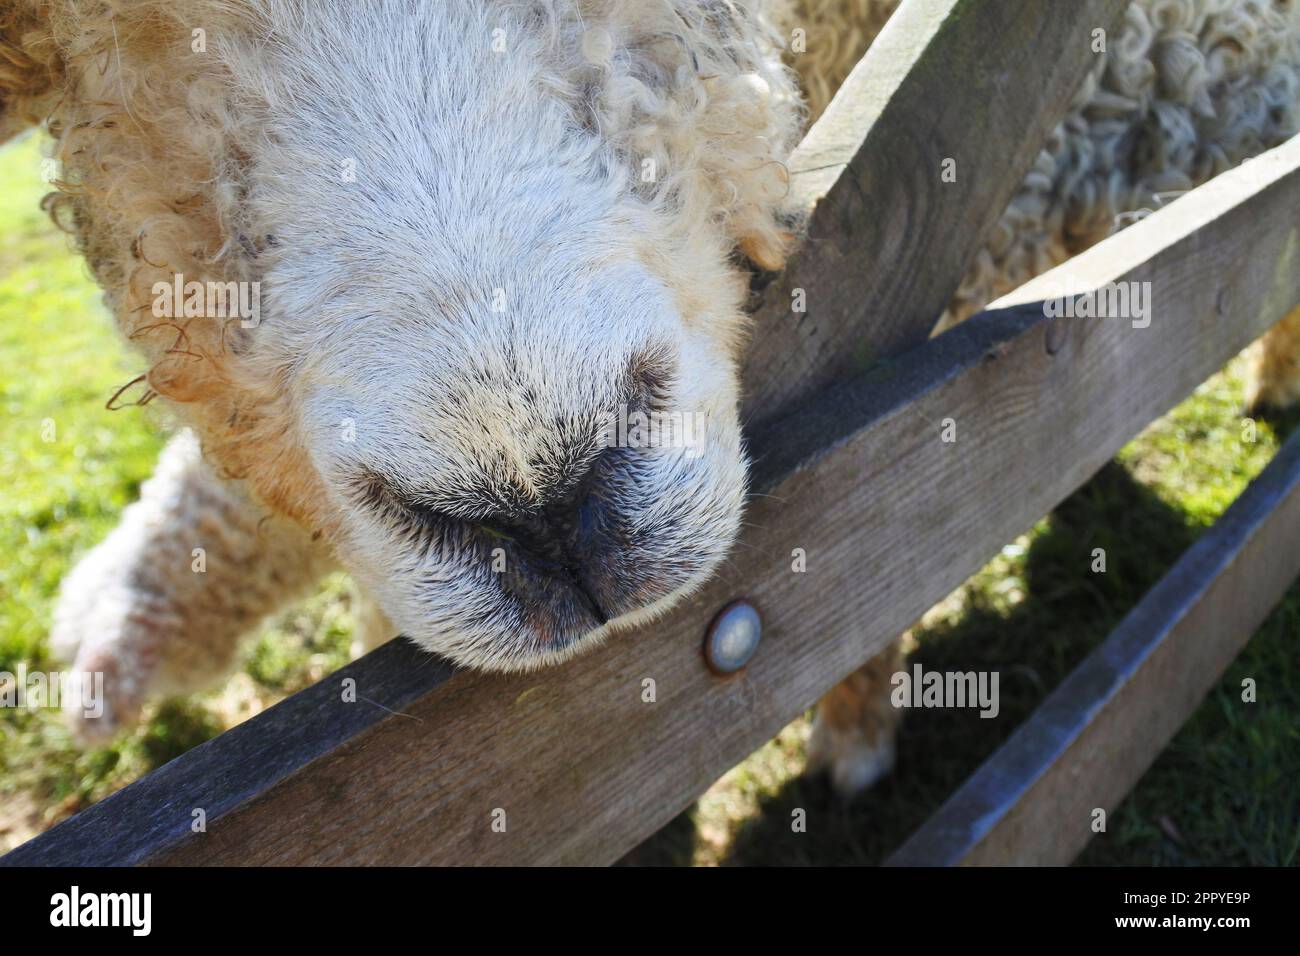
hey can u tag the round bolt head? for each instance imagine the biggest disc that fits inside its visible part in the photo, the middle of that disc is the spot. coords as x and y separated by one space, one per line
733 637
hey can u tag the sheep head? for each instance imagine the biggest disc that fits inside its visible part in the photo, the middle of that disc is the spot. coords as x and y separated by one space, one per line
456 285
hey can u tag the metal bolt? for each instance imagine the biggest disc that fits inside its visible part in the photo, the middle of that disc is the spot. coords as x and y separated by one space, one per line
732 638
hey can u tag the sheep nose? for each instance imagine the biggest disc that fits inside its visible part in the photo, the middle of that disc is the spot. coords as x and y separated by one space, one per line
558 541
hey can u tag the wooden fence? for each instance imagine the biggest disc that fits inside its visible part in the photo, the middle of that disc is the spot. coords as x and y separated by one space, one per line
845 403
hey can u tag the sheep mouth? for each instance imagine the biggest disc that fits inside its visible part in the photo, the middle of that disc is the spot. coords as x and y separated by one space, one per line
499 595
572 578
537 583
549 595
542 610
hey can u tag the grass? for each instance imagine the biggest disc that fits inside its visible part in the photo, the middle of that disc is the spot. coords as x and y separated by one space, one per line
67 468
1224 792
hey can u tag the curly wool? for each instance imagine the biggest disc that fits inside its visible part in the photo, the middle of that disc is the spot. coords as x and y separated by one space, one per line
697 90
1187 90
834 35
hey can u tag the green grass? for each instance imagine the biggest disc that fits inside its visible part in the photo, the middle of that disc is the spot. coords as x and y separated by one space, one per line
1225 791
67 468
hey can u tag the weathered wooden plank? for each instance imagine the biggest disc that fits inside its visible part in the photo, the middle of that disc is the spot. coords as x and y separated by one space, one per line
245 761
887 239
891 517
1032 802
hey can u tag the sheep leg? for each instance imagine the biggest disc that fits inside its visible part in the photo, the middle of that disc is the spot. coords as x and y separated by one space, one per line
158 607
1275 377
856 725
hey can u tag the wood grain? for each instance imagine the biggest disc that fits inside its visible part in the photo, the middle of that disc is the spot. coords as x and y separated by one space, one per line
1032 802
891 517
887 239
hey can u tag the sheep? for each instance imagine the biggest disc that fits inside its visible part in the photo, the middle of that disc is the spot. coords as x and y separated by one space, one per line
480 230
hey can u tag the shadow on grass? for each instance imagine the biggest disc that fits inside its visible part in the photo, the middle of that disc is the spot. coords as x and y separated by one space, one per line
178 726
1033 641
1226 791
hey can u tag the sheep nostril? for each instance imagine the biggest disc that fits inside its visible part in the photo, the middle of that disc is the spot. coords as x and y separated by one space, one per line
558 537
586 519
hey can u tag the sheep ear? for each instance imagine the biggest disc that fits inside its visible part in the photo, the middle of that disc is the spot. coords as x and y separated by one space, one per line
30 66
698 92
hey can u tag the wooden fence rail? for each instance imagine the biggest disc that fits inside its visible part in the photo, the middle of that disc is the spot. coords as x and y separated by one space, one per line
887 240
853 470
